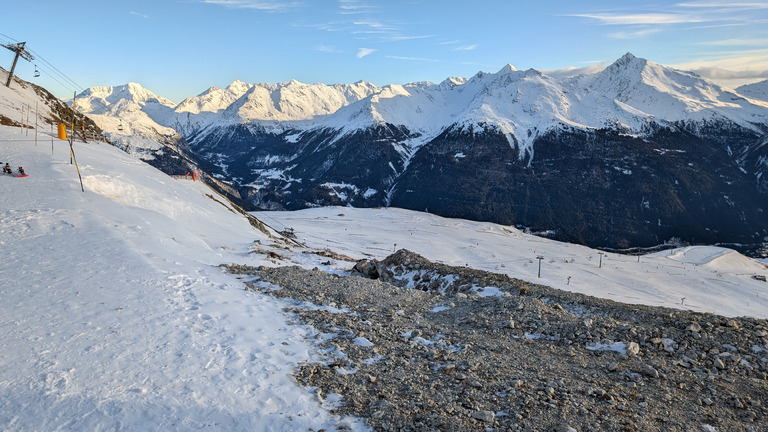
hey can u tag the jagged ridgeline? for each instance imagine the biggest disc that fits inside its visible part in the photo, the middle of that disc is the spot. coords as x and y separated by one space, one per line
630 156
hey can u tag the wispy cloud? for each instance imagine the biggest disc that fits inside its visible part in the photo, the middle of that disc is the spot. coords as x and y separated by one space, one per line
140 15
716 73
643 18
594 67
726 5
398 38
732 68
362 52
634 34
374 24
354 7
328 49
415 59
333 26
692 12
756 59
266 6
366 22
757 42
372 27
638 21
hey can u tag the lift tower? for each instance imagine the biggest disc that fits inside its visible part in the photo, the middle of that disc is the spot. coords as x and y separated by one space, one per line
20 52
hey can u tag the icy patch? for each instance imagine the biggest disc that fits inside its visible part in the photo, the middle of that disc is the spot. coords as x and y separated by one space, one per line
413 278
619 347
488 291
373 360
361 341
325 308
265 286
369 193
270 174
341 190
669 344
536 336
421 340
293 139
440 309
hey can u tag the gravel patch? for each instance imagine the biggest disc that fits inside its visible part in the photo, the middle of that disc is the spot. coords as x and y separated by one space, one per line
429 347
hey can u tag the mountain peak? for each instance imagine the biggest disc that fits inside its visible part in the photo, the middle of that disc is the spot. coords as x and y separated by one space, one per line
628 60
239 87
100 99
628 57
508 68
134 86
451 82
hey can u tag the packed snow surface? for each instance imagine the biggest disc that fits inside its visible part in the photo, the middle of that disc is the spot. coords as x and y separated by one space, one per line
115 314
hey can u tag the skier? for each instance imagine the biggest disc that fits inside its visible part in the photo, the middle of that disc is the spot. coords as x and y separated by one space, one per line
7 168
21 171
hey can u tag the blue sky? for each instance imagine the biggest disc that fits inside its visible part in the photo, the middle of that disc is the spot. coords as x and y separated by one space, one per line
179 48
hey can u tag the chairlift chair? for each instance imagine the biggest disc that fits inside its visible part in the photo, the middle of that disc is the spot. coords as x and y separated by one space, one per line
37 72
120 126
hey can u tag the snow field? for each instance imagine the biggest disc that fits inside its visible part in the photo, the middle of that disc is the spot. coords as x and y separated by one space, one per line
115 314
700 278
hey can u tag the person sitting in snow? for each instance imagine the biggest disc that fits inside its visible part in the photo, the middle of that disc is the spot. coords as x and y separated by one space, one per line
21 171
7 168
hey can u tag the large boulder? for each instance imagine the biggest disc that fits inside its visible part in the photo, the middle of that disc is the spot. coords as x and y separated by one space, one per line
366 268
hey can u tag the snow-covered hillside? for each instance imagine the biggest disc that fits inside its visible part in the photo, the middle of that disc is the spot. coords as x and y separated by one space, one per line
758 90
116 314
15 101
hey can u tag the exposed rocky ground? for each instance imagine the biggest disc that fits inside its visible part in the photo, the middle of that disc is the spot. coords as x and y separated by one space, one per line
429 347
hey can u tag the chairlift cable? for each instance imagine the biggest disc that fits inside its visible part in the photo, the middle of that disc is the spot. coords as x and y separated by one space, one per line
68 87
60 73
8 37
53 70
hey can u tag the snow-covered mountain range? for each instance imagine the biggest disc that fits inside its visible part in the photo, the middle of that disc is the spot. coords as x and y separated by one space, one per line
629 94
660 145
